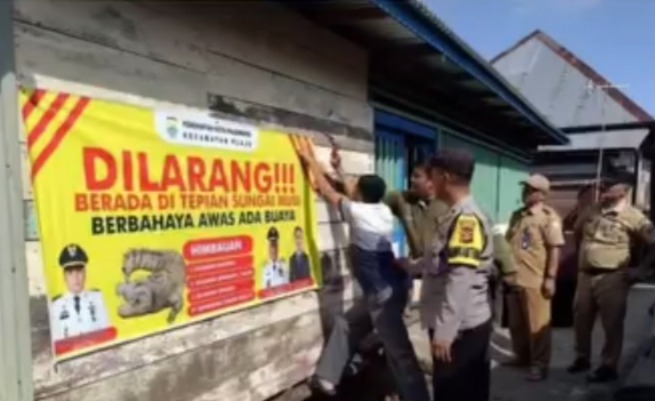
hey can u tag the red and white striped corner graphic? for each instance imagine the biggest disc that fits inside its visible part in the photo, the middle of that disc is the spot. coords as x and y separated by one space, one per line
59 115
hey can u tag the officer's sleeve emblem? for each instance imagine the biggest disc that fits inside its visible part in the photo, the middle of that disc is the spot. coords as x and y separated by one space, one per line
466 230
466 242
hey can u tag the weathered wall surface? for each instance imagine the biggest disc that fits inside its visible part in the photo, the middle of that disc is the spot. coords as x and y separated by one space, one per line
255 62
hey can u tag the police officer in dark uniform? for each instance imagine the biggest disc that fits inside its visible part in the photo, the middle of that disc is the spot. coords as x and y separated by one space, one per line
275 270
78 311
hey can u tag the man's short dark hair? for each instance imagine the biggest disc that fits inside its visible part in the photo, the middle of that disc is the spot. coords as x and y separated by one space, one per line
423 167
458 162
297 230
584 190
371 188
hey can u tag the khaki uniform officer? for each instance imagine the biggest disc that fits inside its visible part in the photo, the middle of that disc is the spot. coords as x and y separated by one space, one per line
419 214
535 235
606 233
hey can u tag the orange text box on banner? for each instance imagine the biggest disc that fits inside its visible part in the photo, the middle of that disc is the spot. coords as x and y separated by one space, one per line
152 219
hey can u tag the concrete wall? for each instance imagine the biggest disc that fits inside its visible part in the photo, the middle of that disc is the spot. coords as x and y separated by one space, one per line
254 62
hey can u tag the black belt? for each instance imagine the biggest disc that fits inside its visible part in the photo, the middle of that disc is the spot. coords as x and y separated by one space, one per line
597 271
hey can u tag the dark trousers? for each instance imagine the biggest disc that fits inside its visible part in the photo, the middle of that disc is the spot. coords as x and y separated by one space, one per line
604 294
467 377
347 332
387 320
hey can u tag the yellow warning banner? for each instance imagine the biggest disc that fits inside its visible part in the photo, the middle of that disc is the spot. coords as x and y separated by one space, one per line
152 219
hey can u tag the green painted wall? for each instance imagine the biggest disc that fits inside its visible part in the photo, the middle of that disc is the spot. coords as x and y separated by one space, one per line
496 180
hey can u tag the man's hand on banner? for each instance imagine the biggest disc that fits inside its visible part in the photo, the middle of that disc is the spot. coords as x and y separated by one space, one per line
305 154
305 150
335 158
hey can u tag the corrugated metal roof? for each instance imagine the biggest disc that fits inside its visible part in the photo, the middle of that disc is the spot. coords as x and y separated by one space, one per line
523 107
566 89
409 40
622 139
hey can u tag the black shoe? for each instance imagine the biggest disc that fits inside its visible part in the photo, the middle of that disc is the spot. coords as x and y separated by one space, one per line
579 366
516 363
355 366
603 374
318 385
537 374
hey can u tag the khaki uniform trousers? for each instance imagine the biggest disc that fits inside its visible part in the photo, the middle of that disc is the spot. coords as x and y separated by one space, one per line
605 294
529 325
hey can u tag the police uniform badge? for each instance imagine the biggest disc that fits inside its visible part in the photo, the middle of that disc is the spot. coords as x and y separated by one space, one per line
72 251
465 231
526 238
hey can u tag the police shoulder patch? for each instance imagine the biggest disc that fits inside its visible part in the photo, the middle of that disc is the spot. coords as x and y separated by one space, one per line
465 229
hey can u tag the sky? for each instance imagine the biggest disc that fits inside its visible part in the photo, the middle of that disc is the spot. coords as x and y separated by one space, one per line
615 37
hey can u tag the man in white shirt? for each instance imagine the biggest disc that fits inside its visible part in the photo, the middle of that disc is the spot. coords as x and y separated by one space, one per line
78 311
384 286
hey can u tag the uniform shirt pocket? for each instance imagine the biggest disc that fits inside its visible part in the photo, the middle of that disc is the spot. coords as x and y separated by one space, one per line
530 236
608 231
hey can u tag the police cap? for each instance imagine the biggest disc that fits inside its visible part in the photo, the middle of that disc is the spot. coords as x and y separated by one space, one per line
458 162
73 255
273 235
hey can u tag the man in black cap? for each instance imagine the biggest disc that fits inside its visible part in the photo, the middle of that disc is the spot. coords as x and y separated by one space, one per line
606 233
275 270
78 311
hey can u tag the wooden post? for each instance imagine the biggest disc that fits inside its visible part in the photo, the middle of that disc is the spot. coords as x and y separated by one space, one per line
15 338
